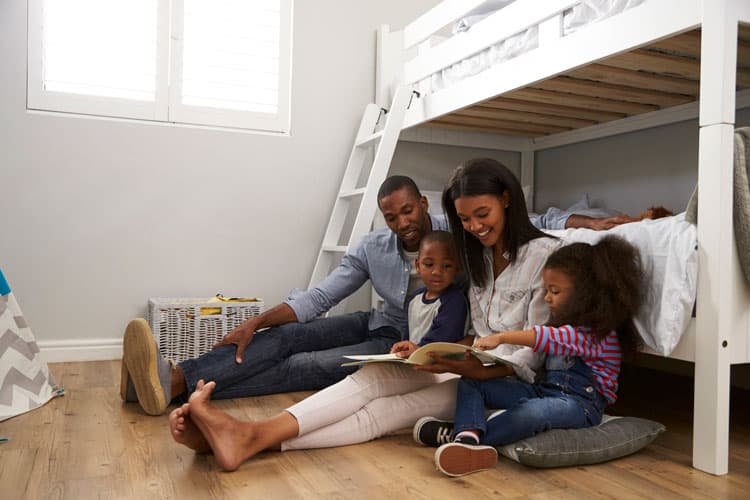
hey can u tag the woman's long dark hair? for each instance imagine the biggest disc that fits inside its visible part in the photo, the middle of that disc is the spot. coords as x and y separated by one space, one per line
487 176
607 288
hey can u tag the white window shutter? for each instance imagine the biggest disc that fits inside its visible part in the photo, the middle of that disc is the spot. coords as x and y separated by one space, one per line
212 62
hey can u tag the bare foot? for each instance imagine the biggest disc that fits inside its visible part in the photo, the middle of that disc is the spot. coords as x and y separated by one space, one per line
231 440
184 430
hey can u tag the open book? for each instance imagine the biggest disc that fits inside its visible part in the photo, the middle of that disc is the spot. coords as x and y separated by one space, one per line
420 356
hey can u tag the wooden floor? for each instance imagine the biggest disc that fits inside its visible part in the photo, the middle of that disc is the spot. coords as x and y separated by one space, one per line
88 444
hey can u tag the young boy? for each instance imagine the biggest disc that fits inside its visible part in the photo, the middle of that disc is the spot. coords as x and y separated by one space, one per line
437 311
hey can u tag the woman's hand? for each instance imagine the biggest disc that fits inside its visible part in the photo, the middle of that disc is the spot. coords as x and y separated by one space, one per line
404 348
469 367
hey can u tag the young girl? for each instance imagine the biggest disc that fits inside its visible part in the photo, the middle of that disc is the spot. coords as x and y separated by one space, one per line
596 286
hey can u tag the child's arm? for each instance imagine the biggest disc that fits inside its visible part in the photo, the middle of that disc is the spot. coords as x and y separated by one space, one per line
574 341
515 337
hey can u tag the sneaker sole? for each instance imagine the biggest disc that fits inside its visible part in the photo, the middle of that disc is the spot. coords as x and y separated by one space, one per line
140 357
456 459
418 426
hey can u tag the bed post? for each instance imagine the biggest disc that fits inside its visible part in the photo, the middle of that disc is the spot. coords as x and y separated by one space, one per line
388 64
718 308
527 177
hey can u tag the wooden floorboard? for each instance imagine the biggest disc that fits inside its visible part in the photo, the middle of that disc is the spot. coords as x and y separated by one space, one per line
88 444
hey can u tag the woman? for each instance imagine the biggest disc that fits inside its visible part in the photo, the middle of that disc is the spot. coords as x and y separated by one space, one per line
503 254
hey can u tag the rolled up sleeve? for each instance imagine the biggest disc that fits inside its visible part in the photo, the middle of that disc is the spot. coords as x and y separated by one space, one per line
348 276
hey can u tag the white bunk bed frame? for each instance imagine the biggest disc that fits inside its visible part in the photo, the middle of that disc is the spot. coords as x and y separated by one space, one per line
720 333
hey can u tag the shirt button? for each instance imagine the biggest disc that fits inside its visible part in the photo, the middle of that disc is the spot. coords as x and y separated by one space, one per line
589 389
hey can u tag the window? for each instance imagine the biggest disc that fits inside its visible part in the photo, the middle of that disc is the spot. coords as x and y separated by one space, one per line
209 62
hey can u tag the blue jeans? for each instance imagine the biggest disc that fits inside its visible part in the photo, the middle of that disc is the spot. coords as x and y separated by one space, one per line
566 399
291 357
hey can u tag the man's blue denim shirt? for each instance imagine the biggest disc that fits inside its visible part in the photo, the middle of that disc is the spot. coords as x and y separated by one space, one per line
376 257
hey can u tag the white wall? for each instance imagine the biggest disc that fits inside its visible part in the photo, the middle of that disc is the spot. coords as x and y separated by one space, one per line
101 214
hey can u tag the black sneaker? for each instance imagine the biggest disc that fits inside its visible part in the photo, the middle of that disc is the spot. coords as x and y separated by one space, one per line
458 459
429 431
466 439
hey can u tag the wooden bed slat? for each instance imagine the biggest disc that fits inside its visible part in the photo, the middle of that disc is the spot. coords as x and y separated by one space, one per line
478 128
743 54
637 79
530 128
525 117
595 115
609 91
655 62
546 96
688 44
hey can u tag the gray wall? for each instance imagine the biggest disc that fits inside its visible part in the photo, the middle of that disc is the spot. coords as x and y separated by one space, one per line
630 172
101 214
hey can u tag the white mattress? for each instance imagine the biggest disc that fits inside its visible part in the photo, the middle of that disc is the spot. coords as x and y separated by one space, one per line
668 249
589 11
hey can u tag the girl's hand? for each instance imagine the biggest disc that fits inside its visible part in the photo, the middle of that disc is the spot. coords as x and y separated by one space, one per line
489 342
404 348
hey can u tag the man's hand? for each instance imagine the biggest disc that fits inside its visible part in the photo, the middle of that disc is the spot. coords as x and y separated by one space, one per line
598 224
404 348
240 337
243 334
610 222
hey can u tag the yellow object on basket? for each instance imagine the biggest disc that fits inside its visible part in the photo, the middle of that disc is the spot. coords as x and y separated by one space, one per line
205 311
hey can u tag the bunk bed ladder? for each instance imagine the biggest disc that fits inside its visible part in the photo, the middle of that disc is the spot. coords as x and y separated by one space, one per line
382 143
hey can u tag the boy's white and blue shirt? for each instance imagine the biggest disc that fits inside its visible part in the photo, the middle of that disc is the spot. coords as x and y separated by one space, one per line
442 319
377 257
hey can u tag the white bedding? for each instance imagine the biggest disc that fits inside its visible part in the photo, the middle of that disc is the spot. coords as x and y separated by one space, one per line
589 11
669 253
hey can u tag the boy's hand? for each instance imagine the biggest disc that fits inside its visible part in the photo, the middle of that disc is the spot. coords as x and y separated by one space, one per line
404 348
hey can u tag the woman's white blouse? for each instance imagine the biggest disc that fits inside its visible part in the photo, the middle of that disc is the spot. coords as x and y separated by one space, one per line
514 301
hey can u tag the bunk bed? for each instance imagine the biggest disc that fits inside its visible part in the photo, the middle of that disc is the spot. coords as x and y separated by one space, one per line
641 65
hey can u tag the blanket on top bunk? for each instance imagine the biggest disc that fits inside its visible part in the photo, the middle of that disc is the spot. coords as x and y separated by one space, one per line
741 198
582 14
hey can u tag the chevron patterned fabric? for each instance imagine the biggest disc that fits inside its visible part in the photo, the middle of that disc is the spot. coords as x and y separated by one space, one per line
25 382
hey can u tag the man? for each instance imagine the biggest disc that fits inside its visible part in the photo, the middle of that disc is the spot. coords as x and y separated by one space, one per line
295 351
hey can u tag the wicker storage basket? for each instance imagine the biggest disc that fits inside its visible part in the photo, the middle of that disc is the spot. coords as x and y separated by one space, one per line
186 328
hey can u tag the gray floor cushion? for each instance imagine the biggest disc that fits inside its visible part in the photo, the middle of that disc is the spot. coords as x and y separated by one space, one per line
614 438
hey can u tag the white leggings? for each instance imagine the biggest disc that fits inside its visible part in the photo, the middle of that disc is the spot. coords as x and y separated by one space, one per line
377 399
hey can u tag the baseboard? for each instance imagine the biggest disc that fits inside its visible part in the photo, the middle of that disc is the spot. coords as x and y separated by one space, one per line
59 351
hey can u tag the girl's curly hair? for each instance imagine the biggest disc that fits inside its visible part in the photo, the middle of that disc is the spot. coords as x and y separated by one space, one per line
607 288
